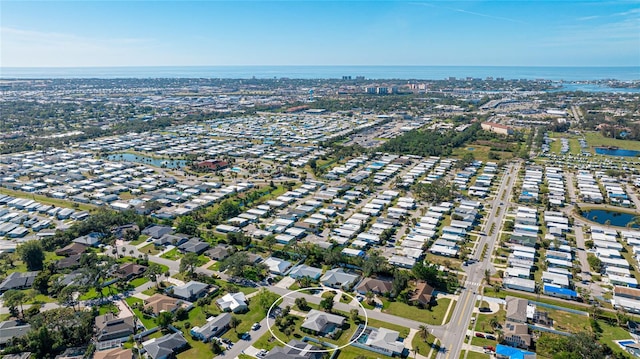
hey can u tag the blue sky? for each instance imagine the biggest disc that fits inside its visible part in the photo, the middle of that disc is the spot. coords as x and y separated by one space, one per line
467 33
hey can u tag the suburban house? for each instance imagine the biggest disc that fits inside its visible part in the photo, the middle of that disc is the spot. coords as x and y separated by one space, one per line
322 323
377 286
109 327
71 249
295 350
423 294
338 278
17 280
164 347
10 329
128 271
214 327
304 270
277 265
517 335
379 340
161 303
91 239
194 245
156 231
212 165
71 261
114 353
233 302
516 309
220 252
191 291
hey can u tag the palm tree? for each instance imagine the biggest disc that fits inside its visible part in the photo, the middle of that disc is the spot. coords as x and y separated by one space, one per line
493 322
423 332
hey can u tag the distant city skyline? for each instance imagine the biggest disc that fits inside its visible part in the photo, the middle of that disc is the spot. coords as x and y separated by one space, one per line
210 33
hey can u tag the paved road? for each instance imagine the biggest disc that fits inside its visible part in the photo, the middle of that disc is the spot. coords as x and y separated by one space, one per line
453 336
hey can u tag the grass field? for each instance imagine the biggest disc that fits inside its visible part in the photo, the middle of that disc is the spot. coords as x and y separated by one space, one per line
433 316
139 281
146 320
423 347
474 355
150 249
482 323
254 315
142 238
595 139
173 254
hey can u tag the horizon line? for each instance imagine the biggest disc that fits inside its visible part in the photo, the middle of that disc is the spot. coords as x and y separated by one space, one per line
157 66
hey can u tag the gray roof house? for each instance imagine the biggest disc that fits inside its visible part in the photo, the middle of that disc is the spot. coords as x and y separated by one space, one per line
321 322
155 231
214 327
337 278
18 280
516 309
220 252
12 329
304 270
194 245
165 346
109 327
302 351
191 291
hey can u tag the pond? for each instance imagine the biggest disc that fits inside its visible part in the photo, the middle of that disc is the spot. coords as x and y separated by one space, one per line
619 219
158 162
616 152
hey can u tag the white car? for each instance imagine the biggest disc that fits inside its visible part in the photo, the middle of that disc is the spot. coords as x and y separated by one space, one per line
255 326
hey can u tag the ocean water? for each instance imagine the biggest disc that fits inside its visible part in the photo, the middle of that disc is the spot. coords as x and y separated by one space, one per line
329 72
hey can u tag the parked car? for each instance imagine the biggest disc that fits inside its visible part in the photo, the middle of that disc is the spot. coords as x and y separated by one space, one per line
245 336
479 335
490 337
484 309
489 347
255 326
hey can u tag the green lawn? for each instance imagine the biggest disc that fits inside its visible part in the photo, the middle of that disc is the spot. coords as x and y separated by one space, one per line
215 266
433 316
595 139
568 322
150 249
611 333
173 254
139 281
482 323
424 347
93 294
255 314
474 355
41 298
482 342
108 308
352 352
148 321
142 238
197 348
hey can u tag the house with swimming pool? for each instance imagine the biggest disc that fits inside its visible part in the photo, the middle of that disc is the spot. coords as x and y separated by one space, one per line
378 340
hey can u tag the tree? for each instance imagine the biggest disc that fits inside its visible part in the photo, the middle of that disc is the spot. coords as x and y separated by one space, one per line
266 299
234 322
153 271
327 304
493 322
164 320
302 304
269 241
487 276
354 314
369 296
423 332
32 254
187 225
14 298
189 263
215 347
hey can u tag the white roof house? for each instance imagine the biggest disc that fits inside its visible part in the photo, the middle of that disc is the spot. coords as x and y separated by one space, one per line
233 302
